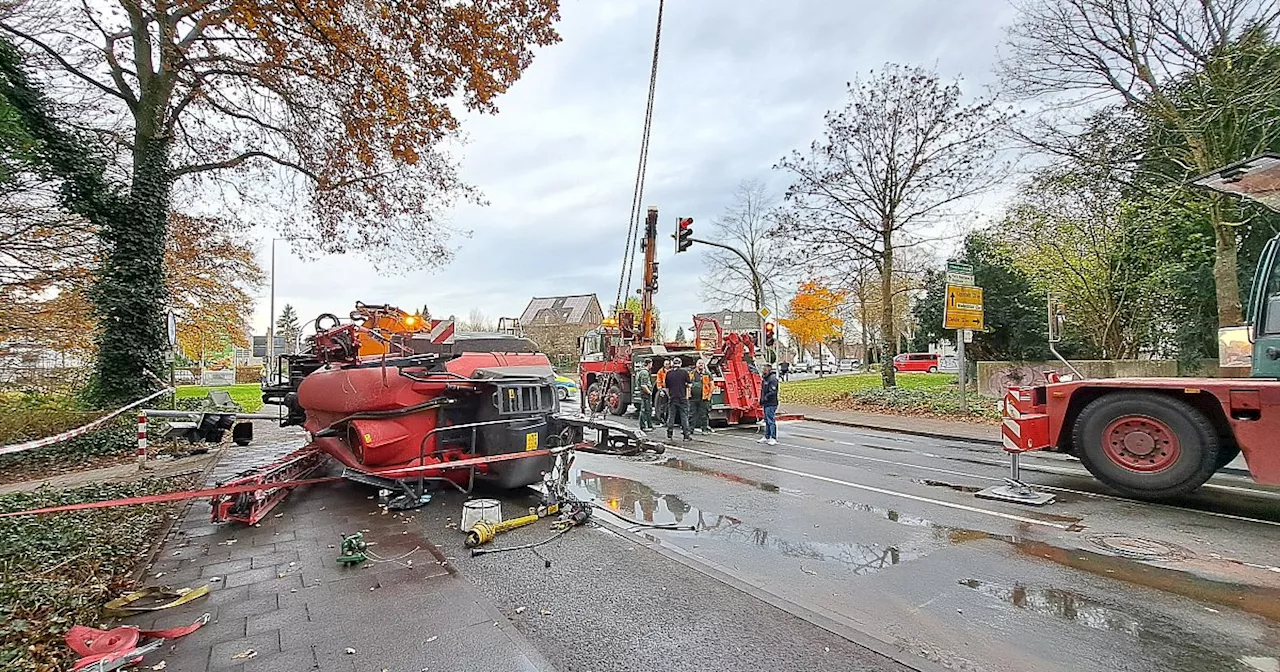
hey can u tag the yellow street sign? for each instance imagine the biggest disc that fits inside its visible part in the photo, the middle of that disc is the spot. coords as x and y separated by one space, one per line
764 312
963 309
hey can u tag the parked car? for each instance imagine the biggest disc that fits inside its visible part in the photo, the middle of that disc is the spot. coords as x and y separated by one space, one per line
849 365
917 362
565 387
825 367
184 377
800 367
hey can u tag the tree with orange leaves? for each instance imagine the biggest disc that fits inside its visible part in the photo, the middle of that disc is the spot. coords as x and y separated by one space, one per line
210 270
343 106
814 314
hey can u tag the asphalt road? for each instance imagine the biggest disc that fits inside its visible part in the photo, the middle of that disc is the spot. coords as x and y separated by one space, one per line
858 542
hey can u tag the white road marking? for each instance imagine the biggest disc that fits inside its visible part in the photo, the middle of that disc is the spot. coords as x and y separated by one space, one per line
1086 493
869 488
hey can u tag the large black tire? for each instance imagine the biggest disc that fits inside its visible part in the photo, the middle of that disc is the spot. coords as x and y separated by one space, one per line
593 400
1177 447
617 399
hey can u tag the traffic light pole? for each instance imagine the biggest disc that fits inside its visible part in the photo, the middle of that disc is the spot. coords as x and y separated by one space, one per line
756 288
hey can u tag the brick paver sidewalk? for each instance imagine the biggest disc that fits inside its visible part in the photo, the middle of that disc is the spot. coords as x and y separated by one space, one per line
281 603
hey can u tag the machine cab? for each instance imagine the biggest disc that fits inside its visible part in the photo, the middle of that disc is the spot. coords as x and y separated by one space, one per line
1257 179
591 346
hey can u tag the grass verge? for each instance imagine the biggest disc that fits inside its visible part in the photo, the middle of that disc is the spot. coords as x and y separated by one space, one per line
925 394
57 571
249 396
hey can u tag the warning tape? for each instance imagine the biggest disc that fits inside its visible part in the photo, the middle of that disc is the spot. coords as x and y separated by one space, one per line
70 434
254 487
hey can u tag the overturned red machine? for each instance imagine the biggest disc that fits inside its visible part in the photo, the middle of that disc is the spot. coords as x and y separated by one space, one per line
422 410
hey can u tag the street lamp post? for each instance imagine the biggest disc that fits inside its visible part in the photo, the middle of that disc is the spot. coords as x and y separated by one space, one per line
271 317
757 288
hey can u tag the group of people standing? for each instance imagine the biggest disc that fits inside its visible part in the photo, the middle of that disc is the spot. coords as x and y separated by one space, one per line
679 396
683 397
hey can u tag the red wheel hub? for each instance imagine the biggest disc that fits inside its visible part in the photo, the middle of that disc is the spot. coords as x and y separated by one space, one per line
1140 443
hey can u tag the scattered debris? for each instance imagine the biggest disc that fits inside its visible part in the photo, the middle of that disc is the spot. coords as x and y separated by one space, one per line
520 610
245 655
544 612
432 638
158 666
351 651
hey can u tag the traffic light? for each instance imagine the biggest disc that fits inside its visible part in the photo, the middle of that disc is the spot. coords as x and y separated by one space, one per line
684 234
768 334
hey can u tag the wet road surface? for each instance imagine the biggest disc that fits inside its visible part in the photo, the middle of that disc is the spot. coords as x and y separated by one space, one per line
880 533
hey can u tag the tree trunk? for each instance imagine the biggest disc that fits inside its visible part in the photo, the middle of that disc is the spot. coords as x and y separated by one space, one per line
1226 275
887 333
130 293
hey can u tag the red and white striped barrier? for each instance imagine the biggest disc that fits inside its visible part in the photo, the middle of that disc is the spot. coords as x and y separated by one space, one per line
142 438
71 434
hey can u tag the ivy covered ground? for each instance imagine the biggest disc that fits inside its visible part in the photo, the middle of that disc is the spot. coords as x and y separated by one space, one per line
926 394
57 571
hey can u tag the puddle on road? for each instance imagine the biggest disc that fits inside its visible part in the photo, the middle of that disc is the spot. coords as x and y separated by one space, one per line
684 465
1179 648
639 501
1259 600
943 484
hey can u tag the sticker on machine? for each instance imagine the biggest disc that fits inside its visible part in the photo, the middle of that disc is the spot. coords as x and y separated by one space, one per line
531 441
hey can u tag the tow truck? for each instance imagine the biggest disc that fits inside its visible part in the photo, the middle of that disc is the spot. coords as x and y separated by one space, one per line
625 342
1159 438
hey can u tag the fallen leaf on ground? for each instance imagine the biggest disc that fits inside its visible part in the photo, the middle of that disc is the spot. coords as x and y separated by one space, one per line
432 638
244 655
158 666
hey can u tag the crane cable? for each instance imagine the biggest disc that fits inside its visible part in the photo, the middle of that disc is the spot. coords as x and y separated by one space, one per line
637 196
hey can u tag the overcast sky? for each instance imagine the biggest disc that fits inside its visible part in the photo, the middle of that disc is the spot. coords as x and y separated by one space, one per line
740 84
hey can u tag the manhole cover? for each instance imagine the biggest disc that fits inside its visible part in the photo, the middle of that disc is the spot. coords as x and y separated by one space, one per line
1138 548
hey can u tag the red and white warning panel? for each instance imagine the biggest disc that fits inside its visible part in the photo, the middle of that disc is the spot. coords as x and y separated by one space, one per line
1023 429
439 331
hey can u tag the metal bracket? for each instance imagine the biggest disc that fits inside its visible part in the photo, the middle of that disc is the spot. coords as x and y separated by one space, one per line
1015 490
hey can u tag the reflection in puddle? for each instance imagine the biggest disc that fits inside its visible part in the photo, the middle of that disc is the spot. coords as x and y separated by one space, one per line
684 465
1178 646
641 502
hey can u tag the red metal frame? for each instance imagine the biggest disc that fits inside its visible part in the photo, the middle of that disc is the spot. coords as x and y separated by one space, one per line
1040 417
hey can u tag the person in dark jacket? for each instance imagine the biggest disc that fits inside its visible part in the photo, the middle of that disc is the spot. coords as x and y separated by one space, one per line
769 402
678 389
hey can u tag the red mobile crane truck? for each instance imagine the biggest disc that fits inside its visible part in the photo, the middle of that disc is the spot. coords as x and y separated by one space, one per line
611 354
1157 438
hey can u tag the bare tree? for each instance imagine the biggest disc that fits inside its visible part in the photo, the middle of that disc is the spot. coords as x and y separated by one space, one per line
478 321
1079 54
745 225
904 154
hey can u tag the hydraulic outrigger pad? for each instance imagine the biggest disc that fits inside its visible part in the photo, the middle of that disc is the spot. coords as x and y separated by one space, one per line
1014 490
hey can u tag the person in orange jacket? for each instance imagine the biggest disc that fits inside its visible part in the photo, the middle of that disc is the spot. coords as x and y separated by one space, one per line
703 388
660 402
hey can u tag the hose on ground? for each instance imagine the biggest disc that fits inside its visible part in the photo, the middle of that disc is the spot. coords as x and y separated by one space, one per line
637 523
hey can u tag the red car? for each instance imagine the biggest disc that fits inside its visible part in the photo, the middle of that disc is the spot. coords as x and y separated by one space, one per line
916 362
